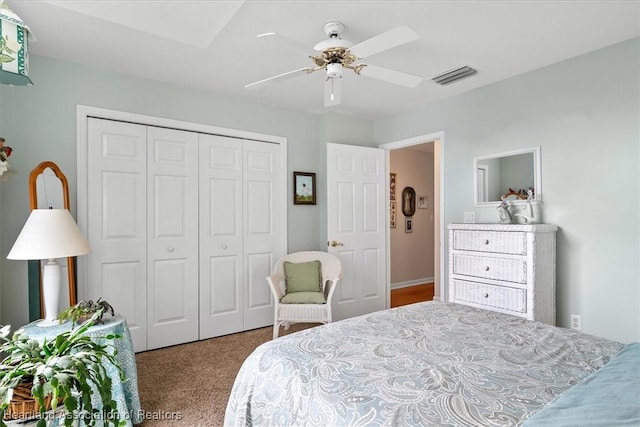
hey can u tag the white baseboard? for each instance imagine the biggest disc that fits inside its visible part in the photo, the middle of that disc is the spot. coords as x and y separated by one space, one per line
411 283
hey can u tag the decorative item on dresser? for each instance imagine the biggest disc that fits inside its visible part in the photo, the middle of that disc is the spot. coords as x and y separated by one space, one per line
509 268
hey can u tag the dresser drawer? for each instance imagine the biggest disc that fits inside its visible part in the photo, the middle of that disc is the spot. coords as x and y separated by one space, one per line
490 296
490 241
510 270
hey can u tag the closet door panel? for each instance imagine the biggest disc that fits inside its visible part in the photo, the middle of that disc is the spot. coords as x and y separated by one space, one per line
172 291
259 296
224 271
117 217
122 278
221 240
262 201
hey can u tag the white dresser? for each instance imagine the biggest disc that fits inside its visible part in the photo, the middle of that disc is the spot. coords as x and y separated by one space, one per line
509 268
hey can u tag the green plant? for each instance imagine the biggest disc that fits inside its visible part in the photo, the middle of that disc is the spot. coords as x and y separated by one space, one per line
85 309
68 368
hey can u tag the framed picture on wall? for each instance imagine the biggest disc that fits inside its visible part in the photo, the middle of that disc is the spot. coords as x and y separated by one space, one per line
304 188
392 215
423 202
392 186
408 201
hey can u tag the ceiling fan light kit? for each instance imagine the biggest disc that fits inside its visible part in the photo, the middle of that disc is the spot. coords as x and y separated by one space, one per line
454 75
334 70
335 54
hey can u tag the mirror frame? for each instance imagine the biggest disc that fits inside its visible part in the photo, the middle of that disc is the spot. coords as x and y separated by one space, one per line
537 175
33 204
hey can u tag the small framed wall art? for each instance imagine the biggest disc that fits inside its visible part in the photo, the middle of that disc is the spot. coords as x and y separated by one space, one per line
392 186
392 215
423 202
304 188
408 225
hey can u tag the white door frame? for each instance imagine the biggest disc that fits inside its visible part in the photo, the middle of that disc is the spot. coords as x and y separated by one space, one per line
438 201
83 112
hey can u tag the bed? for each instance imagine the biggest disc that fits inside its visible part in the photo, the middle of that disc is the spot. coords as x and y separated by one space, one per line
431 363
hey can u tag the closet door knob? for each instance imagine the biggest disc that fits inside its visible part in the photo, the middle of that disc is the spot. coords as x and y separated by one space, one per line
170 249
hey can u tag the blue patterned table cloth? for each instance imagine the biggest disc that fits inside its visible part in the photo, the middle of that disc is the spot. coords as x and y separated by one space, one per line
125 393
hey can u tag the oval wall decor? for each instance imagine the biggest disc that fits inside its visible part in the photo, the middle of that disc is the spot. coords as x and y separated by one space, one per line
408 201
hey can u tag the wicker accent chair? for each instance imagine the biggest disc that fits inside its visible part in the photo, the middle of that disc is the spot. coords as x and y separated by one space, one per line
286 314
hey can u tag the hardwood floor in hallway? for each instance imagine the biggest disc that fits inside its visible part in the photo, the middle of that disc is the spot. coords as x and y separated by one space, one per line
411 294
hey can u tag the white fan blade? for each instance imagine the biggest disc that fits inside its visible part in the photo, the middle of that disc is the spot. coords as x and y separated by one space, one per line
278 78
392 76
283 41
384 41
332 91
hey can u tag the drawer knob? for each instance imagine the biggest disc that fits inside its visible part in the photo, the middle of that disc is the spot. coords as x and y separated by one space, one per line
170 249
486 268
486 242
486 295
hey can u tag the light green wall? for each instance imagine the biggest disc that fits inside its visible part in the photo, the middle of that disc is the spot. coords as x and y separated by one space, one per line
584 113
41 125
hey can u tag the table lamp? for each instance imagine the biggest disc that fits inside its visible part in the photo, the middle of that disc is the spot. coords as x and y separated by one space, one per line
49 234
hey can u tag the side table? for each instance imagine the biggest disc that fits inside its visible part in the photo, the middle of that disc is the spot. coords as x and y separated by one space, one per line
125 392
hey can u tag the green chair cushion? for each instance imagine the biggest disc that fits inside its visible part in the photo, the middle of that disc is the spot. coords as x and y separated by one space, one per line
303 298
302 276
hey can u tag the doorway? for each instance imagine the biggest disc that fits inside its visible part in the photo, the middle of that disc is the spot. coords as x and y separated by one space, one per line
428 149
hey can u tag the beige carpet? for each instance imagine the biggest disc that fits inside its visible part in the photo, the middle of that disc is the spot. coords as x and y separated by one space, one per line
189 384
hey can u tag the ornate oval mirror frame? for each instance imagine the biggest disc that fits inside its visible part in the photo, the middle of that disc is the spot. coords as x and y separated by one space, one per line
39 171
408 201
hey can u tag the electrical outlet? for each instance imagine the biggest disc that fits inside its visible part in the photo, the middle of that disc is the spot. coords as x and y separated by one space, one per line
576 322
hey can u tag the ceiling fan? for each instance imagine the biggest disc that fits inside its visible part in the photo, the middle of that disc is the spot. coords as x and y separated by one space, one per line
335 54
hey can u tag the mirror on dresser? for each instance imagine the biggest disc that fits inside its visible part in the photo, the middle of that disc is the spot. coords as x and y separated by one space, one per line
507 174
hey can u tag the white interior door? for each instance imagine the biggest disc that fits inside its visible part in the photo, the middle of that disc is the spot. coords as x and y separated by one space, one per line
172 269
356 200
482 189
117 221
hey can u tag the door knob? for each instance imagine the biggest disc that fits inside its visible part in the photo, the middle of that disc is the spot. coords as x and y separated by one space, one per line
333 243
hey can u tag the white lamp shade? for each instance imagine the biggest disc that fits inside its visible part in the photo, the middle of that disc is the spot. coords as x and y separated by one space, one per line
49 234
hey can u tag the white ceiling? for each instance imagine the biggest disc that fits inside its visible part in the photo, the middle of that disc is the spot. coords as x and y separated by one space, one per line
212 45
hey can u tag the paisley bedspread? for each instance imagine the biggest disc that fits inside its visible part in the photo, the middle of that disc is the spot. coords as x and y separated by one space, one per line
430 363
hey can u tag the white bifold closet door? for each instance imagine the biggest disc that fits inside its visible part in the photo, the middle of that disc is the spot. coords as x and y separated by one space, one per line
143 228
184 227
240 232
172 237
117 221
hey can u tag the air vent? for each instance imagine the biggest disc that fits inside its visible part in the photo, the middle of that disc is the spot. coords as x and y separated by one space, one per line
454 75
